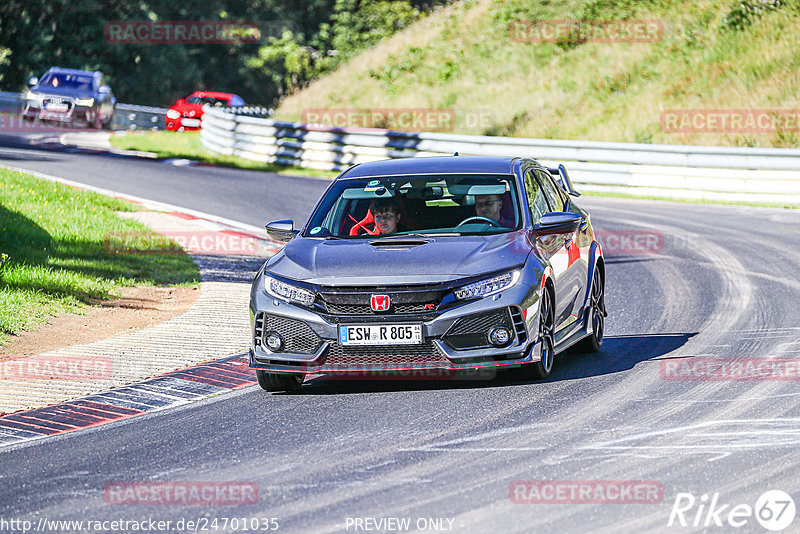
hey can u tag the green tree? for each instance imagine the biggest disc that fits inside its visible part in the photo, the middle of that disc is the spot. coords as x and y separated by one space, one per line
302 39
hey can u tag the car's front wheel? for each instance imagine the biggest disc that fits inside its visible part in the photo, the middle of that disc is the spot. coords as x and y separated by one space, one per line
278 382
547 319
97 120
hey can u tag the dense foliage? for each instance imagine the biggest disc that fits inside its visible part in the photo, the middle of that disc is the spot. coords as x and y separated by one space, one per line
300 39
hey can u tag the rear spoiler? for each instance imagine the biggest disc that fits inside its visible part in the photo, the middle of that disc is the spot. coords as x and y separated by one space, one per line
560 173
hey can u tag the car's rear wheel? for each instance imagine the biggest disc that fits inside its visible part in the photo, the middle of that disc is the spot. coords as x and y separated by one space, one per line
597 313
547 318
278 382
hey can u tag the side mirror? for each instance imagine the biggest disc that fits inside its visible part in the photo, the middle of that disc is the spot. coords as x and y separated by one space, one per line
180 102
558 222
282 231
33 80
562 177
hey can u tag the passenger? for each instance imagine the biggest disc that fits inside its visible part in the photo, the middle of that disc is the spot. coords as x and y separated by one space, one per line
386 215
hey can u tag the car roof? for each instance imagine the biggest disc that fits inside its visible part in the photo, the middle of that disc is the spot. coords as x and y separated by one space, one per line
212 94
62 70
434 165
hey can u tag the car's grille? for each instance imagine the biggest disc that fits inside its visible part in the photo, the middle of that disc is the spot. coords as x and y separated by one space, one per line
423 355
57 105
356 301
366 309
297 336
471 332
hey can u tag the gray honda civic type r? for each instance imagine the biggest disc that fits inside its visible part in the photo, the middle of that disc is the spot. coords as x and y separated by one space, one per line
409 267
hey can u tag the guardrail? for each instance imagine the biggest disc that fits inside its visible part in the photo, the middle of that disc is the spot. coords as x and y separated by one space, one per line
130 117
10 102
701 172
126 116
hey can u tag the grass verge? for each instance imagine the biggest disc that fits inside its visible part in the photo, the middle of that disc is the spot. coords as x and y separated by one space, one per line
187 145
55 256
483 61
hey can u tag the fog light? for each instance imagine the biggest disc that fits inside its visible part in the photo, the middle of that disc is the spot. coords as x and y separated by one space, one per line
499 336
273 341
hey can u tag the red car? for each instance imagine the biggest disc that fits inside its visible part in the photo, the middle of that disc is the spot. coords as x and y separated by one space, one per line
185 114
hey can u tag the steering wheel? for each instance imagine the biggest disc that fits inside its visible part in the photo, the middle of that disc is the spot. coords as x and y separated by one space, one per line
480 219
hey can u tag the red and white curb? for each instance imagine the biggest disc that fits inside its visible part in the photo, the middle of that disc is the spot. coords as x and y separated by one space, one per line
143 351
172 389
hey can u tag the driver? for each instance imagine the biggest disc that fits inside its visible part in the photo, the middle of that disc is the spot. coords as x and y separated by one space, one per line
489 206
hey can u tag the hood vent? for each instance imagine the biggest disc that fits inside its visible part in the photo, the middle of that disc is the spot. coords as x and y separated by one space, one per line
398 243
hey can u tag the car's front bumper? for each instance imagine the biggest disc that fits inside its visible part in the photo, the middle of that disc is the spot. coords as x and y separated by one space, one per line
181 124
35 110
315 346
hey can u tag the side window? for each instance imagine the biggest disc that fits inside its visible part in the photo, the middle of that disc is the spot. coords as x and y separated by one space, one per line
551 190
536 198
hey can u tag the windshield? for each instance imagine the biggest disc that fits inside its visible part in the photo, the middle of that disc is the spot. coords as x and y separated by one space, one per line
217 102
68 81
460 204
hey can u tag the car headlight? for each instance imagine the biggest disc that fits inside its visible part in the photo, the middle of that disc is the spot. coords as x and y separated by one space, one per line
487 287
173 114
29 95
87 102
276 288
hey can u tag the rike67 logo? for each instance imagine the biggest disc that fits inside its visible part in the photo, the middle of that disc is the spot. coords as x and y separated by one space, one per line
774 510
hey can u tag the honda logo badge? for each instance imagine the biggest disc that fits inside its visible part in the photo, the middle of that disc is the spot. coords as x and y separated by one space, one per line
380 302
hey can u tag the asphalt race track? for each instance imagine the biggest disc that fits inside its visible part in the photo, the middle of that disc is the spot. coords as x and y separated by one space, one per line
688 285
240 195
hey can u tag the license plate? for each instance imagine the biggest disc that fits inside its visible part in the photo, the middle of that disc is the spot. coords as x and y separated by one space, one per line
380 334
56 107
191 123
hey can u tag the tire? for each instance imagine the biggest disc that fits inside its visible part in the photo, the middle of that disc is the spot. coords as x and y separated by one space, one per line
278 382
547 319
97 121
597 313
